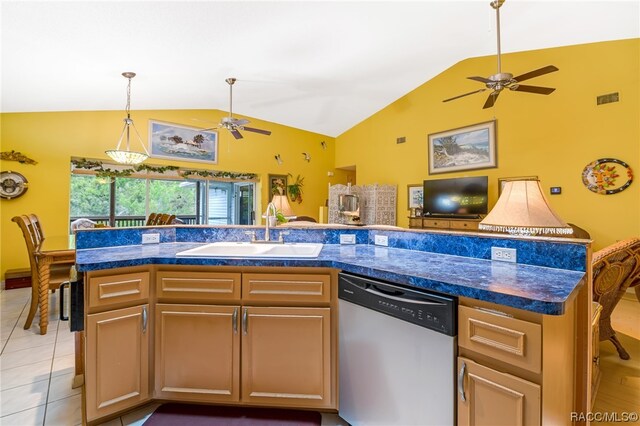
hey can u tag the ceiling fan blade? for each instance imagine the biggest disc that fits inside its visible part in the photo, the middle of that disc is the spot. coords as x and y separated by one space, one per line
208 129
480 79
535 73
251 129
236 134
466 94
240 122
493 97
532 89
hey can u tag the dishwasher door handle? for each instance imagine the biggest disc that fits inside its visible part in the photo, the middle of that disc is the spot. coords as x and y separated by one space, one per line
461 382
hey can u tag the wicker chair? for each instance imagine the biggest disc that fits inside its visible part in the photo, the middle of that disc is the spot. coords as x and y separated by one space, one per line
615 269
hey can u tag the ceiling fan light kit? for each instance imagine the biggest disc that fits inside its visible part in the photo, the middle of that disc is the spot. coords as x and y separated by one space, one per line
126 156
504 80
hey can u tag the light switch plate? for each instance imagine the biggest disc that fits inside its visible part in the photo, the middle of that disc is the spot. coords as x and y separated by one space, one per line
150 238
381 240
503 254
347 238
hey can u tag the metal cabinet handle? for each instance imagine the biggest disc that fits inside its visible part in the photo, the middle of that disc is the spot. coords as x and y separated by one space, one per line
461 382
245 321
144 319
234 319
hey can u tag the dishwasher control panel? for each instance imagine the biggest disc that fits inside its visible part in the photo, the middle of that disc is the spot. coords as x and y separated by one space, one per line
426 309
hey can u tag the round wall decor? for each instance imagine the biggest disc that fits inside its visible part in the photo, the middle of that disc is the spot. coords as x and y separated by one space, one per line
12 184
603 176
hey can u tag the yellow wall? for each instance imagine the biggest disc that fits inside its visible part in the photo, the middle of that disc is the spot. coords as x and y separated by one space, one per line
53 138
552 137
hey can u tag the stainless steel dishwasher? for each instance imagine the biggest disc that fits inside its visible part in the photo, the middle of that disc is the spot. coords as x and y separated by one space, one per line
397 354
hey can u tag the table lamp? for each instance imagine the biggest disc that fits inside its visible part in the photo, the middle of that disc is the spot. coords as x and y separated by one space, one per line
522 209
282 205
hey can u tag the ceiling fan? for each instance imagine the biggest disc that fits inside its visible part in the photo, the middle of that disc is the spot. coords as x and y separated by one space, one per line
500 80
234 125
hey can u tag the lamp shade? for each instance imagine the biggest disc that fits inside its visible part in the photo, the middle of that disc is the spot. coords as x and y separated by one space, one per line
282 205
522 209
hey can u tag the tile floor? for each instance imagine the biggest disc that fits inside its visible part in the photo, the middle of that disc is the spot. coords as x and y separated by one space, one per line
36 371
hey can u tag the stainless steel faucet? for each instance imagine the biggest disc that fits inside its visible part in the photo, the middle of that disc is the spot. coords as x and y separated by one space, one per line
272 207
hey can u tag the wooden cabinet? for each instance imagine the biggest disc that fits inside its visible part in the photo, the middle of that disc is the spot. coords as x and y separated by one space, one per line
267 339
514 367
117 367
450 224
490 397
197 350
286 356
252 336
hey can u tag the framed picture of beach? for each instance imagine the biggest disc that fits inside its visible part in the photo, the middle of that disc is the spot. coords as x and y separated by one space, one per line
467 148
177 142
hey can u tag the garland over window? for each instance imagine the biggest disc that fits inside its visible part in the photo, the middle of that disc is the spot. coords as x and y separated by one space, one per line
103 170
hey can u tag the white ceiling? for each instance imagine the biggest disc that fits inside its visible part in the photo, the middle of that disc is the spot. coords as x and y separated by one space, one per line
321 66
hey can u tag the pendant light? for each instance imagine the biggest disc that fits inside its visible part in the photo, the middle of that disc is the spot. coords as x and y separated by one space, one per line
127 156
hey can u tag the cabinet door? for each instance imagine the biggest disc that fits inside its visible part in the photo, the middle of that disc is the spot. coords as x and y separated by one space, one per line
197 352
117 375
286 356
489 397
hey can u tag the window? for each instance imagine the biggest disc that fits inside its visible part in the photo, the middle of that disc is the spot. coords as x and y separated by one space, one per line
127 201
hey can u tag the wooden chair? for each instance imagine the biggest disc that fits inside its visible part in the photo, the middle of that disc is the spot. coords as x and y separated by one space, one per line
158 219
58 270
615 269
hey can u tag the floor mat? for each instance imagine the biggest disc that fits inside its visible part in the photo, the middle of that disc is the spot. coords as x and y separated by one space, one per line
195 415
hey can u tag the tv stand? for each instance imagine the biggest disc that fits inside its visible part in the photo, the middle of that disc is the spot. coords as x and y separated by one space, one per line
457 223
451 216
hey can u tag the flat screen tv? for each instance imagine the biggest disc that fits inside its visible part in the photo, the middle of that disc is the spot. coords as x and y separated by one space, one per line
456 197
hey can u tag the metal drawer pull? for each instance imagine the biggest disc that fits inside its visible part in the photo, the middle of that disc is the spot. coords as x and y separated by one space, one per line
245 320
461 382
235 321
144 319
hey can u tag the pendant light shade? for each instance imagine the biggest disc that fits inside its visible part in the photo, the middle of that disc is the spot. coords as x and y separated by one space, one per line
126 156
522 209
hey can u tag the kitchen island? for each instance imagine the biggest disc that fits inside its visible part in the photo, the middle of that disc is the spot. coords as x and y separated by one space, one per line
154 290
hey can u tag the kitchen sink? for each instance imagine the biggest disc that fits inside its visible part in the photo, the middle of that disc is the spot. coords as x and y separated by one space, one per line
234 249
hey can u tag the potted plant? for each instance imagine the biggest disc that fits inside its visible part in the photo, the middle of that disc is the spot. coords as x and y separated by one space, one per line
295 189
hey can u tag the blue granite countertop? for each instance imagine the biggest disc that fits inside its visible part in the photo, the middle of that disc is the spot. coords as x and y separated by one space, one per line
534 288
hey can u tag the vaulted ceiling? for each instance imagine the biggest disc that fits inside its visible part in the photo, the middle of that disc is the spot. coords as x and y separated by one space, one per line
321 66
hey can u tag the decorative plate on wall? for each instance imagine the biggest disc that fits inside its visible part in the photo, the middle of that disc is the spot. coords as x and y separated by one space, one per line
12 185
603 176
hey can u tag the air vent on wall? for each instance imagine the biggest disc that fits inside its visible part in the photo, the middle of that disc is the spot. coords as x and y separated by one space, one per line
608 98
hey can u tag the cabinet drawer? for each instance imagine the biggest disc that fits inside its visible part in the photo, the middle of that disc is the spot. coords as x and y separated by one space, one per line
464 224
435 223
115 289
201 286
415 222
286 287
503 338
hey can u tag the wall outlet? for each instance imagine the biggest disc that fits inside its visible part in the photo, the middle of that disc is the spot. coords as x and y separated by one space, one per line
347 238
150 238
381 240
503 254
